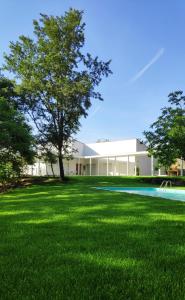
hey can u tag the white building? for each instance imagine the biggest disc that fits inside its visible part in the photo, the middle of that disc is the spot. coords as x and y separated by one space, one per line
112 158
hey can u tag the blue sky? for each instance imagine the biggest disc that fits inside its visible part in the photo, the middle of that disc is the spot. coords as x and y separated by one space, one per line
144 39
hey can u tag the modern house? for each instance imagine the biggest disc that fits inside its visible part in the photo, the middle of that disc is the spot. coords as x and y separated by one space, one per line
127 157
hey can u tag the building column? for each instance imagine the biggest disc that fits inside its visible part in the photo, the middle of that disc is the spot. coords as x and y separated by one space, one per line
115 166
181 166
98 166
79 166
46 169
107 166
152 165
159 172
90 165
127 165
39 169
135 170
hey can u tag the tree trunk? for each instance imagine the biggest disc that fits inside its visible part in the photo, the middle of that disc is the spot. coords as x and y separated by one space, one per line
61 166
52 170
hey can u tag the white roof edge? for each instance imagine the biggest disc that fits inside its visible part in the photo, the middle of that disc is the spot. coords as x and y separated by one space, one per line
138 153
112 141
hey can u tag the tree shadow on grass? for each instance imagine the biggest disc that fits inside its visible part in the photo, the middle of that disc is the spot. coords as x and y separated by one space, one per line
91 245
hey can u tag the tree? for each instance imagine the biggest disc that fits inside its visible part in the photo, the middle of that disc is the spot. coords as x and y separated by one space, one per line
166 140
49 157
15 135
58 81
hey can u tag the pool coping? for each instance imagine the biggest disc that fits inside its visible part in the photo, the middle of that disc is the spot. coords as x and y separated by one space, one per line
129 190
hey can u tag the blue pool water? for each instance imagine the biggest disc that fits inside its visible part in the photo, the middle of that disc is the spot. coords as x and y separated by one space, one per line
171 194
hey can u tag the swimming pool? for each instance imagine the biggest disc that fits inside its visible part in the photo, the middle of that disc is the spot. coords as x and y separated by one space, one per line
171 194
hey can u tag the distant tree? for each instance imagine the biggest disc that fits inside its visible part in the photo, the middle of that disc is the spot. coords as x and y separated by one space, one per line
58 81
15 135
166 140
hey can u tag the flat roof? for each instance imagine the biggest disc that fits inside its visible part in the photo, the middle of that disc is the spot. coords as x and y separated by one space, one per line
138 153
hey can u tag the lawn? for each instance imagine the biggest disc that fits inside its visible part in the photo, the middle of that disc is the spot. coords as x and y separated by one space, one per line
70 241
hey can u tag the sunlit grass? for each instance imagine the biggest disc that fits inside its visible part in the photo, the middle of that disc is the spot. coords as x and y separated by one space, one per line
70 241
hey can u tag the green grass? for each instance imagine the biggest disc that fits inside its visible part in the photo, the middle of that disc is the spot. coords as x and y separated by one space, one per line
69 241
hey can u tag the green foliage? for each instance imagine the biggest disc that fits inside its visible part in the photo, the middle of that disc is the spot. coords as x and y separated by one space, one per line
15 135
166 140
58 81
6 173
10 169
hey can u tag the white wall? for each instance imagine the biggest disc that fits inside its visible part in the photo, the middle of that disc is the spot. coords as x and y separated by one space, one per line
103 148
111 148
44 169
118 167
140 146
79 147
144 165
69 168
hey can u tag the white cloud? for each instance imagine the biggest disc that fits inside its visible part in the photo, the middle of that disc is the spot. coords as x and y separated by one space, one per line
159 53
